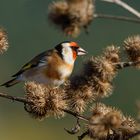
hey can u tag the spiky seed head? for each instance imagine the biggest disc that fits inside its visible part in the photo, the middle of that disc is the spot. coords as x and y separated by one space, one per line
35 94
102 89
71 16
128 126
100 67
100 109
79 98
112 119
45 101
112 53
96 129
132 47
3 41
104 119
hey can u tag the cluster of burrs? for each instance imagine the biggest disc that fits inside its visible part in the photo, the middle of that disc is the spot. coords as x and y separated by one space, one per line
93 83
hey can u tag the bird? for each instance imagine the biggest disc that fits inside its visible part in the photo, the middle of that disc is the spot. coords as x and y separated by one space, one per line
52 67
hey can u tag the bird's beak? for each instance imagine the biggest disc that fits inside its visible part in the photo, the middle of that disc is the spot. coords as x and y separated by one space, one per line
81 51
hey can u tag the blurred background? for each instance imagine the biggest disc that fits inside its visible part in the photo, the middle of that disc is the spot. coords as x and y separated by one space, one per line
30 33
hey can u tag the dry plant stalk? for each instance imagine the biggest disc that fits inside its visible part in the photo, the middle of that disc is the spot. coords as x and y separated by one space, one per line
125 6
93 83
107 121
71 15
45 100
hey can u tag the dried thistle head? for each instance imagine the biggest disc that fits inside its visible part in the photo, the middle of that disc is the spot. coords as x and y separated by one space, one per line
112 53
102 89
100 109
113 119
100 71
78 98
71 15
56 102
45 101
94 81
128 126
96 130
106 122
58 13
3 41
132 47
100 67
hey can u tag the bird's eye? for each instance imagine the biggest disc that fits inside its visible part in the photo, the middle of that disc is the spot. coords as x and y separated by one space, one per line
74 48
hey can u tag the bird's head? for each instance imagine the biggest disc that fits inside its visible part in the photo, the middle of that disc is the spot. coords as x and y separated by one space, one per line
69 51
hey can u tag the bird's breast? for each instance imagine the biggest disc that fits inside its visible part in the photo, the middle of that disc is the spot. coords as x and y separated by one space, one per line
59 73
65 71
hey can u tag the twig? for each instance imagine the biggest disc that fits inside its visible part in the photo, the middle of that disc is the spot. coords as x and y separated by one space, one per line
23 100
74 130
126 64
133 135
76 115
122 18
83 135
125 6
19 99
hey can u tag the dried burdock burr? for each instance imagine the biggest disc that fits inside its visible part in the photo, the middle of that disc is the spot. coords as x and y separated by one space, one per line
3 41
45 101
79 96
95 81
112 53
103 66
128 126
71 15
132 47
107 122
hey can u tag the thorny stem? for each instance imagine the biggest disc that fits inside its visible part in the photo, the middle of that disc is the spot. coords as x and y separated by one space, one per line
125 6
122 18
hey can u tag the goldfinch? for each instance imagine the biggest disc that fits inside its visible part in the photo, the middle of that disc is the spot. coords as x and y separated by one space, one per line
51 67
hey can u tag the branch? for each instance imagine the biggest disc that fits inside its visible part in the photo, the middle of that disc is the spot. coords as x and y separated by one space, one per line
133 135
125 6
13 98
76 115
83 135
122 18
74 130
126 64
23 100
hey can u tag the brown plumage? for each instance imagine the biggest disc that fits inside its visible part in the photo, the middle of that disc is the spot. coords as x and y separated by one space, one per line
51 67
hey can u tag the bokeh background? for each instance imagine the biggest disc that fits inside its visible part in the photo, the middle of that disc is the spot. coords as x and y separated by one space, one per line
30 33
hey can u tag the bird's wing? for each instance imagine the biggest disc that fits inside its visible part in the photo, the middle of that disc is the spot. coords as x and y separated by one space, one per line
38 61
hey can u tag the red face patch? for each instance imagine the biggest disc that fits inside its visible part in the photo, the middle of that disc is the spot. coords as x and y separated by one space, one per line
74 54
74 47
74 44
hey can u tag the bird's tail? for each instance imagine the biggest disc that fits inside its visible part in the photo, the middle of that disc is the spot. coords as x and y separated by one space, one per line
11 82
